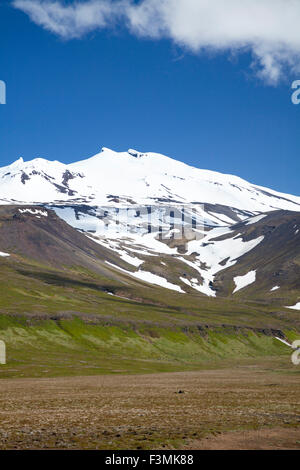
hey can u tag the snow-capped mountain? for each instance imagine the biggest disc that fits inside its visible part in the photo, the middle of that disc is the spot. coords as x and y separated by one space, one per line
164 222
133 177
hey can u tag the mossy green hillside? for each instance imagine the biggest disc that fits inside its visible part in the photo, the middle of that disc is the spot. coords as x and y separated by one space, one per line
71 346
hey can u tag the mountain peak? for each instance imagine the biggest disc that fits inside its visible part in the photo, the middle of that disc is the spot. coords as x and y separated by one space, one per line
135 153
132 152
18 162
106 149
133 175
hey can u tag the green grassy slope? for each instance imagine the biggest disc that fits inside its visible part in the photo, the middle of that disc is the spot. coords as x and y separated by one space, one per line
62 322
41 348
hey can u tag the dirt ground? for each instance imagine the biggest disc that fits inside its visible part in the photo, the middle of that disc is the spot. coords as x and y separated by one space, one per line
241 408
263 439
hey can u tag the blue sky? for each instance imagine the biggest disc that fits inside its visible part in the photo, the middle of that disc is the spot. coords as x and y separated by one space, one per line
68 97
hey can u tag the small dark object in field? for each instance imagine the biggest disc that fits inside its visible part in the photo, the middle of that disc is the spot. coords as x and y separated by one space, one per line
180 391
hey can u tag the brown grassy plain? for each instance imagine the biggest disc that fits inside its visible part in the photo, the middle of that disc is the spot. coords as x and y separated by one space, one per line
245 407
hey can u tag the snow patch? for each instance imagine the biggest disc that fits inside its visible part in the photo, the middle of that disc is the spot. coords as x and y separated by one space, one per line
194 284
212 253
295 307
35 212
244 281
131 260
255 219
158 280
151 278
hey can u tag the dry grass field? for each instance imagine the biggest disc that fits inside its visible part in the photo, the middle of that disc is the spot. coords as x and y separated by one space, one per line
245 407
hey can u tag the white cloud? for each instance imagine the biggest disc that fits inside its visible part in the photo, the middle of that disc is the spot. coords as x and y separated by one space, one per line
269 29
75 19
